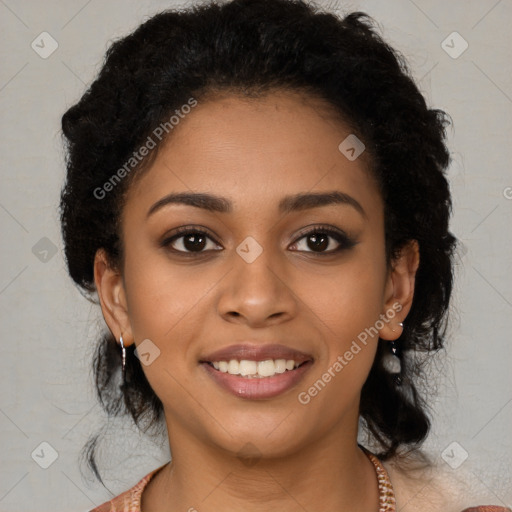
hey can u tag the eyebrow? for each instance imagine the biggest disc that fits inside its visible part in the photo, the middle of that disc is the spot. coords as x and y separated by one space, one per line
288 204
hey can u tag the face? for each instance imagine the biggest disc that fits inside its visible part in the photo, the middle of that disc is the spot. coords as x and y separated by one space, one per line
253 245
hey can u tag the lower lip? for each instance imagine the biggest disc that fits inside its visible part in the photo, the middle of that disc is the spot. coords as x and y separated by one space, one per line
256 388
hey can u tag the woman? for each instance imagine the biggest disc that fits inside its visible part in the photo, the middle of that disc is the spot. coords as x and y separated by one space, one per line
256 192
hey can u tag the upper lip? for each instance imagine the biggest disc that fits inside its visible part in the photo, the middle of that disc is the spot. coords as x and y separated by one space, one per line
252 352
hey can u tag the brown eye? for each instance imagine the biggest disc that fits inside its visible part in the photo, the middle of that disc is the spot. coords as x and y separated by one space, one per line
318 241
190 241
323 241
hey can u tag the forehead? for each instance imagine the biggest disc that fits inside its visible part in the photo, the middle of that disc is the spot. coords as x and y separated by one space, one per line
255 150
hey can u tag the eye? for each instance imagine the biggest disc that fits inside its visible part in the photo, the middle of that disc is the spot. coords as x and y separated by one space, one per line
320 240
323 240
190 240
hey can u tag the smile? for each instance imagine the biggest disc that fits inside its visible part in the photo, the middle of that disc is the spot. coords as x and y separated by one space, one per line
257 371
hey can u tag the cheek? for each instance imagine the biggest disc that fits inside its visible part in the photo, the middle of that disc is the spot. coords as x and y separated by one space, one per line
166 307
346 306
350 299
162 299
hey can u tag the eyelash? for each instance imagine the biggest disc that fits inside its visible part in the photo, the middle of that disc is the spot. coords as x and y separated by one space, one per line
344 241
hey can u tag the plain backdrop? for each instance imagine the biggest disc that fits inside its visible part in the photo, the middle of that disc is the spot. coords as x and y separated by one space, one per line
48 329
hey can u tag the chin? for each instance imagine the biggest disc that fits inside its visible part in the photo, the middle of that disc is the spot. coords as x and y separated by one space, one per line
270 436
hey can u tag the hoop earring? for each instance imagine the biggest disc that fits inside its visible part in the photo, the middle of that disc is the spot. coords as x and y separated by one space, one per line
123 357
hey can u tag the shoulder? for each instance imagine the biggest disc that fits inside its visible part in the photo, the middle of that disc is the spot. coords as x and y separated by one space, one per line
130 500
488 508
421 485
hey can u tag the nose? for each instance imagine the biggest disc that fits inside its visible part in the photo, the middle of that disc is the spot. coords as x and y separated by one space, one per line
257 294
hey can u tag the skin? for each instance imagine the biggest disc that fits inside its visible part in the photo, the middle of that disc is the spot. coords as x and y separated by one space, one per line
254 153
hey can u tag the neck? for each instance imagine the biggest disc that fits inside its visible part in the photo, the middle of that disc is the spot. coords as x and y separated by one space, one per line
332 474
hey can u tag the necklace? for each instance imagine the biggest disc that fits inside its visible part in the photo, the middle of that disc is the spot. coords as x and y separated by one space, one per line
386 494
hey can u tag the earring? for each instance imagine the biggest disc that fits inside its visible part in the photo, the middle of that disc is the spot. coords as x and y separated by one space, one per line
123 356
400 324
392 363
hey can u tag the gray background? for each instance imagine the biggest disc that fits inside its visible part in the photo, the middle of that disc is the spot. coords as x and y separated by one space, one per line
48 329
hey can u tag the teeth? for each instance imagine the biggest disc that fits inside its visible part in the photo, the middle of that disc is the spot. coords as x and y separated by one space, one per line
266 368
280 365
234 367
255 369
247 367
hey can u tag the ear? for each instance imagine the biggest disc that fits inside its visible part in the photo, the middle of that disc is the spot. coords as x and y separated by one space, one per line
399 290
111 292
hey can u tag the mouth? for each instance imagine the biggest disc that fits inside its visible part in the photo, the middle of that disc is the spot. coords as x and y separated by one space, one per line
257 371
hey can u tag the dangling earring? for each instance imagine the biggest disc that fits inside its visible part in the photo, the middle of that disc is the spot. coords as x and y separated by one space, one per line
123 356
391 361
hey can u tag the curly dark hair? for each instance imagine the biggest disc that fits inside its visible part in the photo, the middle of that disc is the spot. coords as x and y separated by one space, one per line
251 48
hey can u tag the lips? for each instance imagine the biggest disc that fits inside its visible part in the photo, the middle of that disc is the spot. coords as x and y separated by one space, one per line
256 386
251 352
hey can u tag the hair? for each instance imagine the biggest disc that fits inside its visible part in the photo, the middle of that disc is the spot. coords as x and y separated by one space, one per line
252 48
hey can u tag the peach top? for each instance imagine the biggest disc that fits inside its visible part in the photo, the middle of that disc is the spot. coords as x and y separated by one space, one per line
130 500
